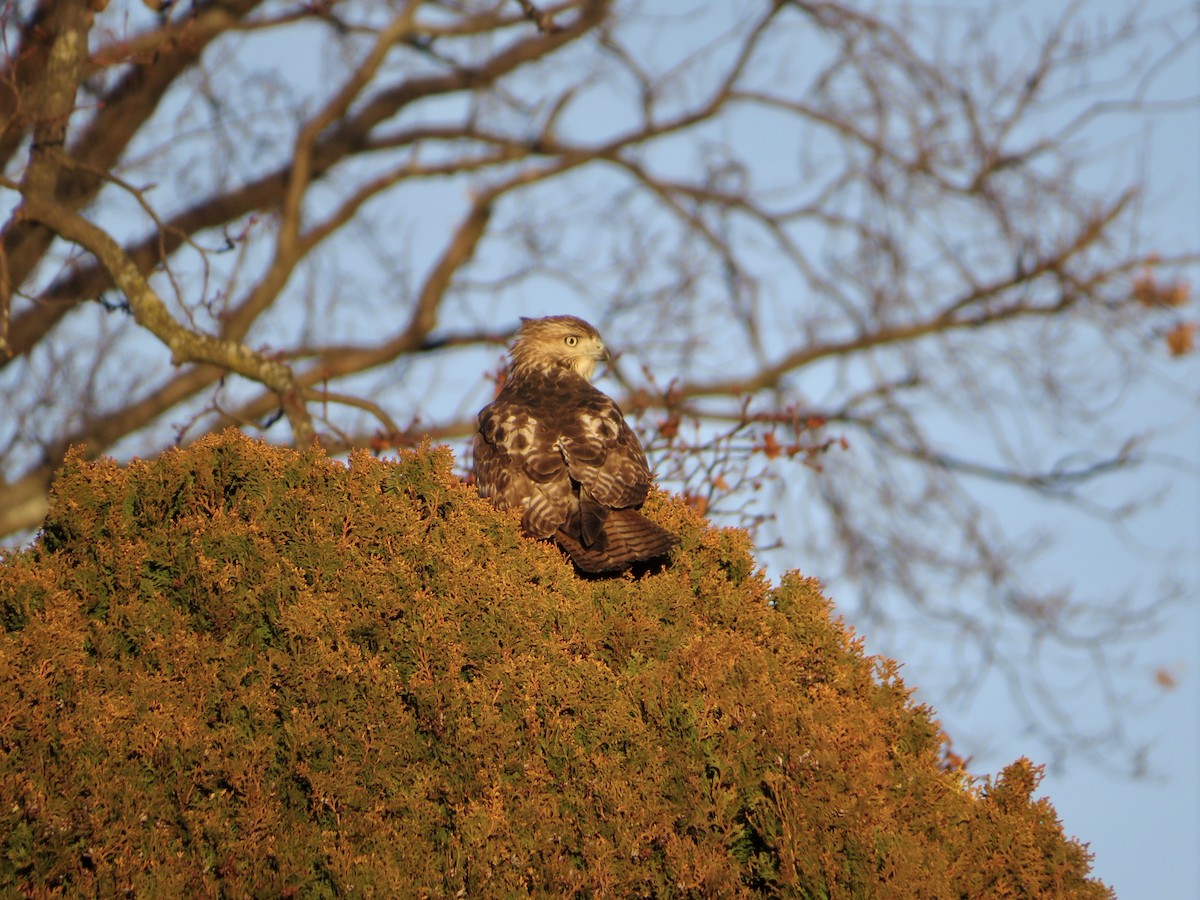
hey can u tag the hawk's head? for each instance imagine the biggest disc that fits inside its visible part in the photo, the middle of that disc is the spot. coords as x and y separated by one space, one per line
558 341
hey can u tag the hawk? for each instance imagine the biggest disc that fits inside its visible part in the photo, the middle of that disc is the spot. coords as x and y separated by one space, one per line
557 447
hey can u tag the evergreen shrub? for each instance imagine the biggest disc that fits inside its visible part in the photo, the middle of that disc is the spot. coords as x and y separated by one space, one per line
245 671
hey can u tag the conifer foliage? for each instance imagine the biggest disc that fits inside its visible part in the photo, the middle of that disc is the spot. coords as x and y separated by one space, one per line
240 669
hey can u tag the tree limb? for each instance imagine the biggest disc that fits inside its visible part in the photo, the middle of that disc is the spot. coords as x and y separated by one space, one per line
152 314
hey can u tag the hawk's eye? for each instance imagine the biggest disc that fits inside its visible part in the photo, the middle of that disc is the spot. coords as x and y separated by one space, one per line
570 340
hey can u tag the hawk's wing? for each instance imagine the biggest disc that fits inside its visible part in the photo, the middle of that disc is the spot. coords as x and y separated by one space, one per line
518 465
604 455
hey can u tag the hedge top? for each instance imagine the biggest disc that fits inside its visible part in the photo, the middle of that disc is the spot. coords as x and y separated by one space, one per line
242 670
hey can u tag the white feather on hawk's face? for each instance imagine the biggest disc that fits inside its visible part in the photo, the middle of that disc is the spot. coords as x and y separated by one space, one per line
558 448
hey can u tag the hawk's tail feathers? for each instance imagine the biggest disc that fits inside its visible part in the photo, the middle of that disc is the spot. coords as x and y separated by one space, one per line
628 537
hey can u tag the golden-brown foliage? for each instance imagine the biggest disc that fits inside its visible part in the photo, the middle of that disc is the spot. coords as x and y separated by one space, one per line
245 670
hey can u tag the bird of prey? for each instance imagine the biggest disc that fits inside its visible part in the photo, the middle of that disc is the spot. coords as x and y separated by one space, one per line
560 449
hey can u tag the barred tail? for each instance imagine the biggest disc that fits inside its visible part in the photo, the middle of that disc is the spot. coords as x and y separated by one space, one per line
626 537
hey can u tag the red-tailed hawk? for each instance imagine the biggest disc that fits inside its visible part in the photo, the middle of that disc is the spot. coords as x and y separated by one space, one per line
560 449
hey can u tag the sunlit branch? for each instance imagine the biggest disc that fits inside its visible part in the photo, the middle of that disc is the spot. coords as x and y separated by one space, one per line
150 312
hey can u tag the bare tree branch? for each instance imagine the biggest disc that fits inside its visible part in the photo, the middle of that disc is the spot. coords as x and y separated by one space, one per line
150 312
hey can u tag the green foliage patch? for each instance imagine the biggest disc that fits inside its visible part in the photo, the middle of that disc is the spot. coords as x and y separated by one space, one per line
244 670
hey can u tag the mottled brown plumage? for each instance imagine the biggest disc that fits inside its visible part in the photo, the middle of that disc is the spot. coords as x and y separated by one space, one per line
558 448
